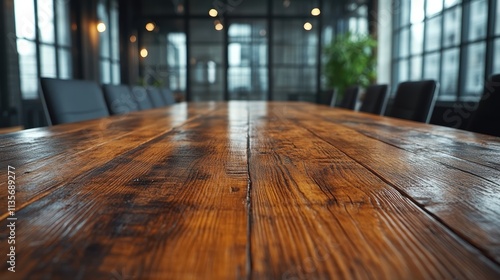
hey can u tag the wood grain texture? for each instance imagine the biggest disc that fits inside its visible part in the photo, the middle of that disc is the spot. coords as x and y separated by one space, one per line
362 227
141 211
4 130
253 190
448 187
41 154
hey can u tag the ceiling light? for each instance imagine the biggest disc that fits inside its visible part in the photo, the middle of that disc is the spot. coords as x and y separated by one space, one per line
133 38
144 53
213 12
150 26
101 27
308 26
219 26
315 12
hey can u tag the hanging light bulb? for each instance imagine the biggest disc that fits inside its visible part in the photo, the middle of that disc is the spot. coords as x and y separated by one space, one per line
213 13
150 26
101 27
219 26
308 26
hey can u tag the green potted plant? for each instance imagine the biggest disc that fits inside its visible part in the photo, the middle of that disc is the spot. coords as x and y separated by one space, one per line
350 60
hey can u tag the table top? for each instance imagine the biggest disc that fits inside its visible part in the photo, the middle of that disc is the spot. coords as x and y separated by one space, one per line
251 190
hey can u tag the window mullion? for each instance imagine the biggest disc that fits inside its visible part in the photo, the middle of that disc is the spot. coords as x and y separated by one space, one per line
37 40
56 38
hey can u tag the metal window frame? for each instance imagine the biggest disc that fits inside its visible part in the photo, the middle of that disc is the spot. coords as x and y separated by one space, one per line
462 46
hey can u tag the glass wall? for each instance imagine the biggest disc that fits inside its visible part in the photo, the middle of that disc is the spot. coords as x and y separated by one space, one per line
164 63
243 50
109 48
43 42
295 60
446 41
206 61
247 60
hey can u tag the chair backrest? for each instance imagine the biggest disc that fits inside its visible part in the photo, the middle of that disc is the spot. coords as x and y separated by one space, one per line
414 100
486 118
141 97
168 96
119 99
156 97
375 99
68 101
350 97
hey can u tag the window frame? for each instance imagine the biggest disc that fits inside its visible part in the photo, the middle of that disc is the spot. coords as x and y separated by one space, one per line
39 43
113 58
463 45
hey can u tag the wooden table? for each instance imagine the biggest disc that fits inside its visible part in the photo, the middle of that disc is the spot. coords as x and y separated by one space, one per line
252 190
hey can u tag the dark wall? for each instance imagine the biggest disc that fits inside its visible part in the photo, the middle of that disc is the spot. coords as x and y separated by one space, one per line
10 92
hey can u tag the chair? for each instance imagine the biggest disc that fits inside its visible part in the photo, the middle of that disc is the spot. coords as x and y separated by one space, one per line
414 100
486 118
167 96
68 101
375 99
350 97
119 99
140 96
156 97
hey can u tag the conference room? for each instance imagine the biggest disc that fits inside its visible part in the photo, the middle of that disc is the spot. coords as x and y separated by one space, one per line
250 139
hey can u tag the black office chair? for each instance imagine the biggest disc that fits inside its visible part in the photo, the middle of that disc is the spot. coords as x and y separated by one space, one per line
156 97
375 99
141 97
168 96
66 101
350 97
414 100
119 99
486 118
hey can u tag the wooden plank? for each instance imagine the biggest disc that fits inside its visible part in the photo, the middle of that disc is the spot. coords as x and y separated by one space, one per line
45 159
174 207
319 214
465 156
466 203
476 148
5 130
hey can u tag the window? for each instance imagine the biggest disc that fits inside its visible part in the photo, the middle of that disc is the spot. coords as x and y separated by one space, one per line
294 67
176 61
449 73
247 59
109 48
448 42
496 66
206 62
43 42
244 50
452 27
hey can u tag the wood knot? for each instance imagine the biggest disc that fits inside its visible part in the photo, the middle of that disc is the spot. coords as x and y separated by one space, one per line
234 189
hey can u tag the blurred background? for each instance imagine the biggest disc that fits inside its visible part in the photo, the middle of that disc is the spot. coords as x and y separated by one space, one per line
241 49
